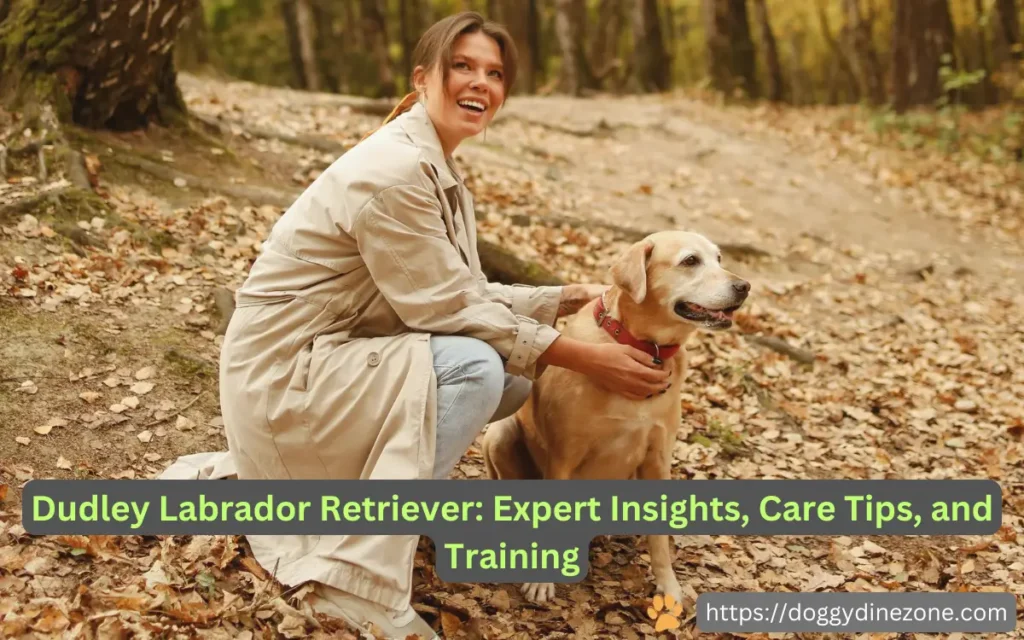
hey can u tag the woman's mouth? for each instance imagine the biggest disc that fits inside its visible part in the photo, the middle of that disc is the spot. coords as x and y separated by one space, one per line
474 108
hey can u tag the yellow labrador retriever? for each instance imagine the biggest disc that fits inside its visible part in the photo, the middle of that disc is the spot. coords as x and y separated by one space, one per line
664 288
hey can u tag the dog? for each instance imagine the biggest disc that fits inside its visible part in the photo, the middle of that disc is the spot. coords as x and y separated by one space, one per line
664 288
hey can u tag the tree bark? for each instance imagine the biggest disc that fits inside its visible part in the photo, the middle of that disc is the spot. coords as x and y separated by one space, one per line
988 93
868 68
192 49
604 47
902 42
1009 21
376 31
930 38
103 64
731 57
406 30
517 16
841 60
570 29
306 33
776 86
652 64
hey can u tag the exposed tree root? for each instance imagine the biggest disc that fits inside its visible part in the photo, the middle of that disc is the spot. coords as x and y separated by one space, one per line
501 265
319 143
732 249
781 346
255 194
32 202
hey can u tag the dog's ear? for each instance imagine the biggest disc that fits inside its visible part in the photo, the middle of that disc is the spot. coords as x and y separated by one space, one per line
629 272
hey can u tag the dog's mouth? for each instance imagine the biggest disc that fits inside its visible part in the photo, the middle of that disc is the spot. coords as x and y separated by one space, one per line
710 318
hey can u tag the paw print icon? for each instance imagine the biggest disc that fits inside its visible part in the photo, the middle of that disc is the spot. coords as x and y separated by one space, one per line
665 611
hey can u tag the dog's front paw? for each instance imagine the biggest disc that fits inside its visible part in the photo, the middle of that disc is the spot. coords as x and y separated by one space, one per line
539 591
672 588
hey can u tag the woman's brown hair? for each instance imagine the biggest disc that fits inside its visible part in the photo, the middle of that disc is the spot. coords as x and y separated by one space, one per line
435 48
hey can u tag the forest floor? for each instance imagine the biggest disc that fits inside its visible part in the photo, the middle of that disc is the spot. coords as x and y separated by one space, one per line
899 271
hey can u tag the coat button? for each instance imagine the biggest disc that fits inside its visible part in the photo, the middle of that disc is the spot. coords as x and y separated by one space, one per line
373 359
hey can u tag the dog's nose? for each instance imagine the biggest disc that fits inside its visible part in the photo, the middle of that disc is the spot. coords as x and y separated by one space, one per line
741 287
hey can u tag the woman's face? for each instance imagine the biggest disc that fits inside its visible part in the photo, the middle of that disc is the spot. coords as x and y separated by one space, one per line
474 91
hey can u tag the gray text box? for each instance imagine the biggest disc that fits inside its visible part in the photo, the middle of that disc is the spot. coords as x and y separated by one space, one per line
511 531
856 612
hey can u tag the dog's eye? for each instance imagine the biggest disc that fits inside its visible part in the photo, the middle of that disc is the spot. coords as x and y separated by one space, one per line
719 258
690 261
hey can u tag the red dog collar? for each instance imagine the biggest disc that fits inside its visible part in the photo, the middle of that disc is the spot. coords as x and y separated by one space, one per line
622 335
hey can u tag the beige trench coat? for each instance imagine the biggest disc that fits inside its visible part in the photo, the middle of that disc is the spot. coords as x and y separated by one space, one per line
326 367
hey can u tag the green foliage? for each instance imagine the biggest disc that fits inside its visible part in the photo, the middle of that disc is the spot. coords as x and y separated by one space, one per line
249 37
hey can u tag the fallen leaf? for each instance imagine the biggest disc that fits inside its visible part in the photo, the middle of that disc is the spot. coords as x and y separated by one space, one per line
142 388
145 373
450 623
63 463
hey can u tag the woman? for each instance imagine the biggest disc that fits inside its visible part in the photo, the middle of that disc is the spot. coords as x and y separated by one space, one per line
367 344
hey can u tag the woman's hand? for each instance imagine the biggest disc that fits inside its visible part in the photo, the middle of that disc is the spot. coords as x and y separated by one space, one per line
623 369
617 368
576 296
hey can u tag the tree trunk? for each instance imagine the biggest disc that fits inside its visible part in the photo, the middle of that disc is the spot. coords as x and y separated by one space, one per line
101 64
405 30
376 31
330 43
604 47
842 62
988 93
776 87
652 63
1009 21
902 43
931 38
305 30
868 69
732 62
570 29
192 48
516 17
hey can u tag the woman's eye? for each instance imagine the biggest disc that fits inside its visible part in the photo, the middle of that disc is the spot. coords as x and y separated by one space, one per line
496 74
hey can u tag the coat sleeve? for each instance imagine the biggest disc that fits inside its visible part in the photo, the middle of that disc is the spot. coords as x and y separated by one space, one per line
406 249
539 303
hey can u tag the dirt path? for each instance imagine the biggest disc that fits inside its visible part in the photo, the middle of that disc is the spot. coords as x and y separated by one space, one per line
656 163
882 277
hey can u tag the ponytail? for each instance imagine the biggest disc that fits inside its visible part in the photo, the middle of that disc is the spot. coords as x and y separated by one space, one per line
406 103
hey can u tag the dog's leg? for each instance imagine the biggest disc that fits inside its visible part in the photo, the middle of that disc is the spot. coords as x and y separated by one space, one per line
544 591
506 456
656 467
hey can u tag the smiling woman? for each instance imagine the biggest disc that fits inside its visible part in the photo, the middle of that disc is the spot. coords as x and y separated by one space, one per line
367 343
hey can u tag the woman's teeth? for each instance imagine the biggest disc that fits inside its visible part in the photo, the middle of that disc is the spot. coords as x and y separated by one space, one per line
472 105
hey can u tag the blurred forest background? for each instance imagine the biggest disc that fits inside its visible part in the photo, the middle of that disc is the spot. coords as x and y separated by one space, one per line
898 53
938 59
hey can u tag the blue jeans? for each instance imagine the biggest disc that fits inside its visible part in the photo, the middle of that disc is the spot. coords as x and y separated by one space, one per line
473 391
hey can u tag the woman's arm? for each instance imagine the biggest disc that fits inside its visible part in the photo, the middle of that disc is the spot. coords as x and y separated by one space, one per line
617 368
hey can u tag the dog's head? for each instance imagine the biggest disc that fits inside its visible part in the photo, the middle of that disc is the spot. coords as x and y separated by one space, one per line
681 274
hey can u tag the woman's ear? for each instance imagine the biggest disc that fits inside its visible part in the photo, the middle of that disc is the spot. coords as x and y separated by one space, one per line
629 272
419 80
